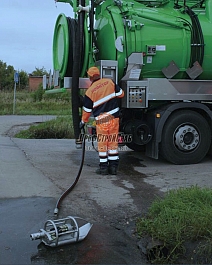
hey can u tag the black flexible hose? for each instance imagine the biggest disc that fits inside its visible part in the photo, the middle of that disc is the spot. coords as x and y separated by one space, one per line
91 17
72 26
197 39
56 210
77 62
78 56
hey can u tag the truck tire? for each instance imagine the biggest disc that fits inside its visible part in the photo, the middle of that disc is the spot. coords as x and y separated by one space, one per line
186 138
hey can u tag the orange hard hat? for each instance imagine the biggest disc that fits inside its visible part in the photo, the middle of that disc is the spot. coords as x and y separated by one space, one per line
92 71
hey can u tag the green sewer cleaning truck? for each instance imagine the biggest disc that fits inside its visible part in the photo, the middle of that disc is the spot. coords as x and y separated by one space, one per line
160 54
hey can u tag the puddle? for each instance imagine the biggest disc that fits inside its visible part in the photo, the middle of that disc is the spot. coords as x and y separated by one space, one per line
128 162
22 216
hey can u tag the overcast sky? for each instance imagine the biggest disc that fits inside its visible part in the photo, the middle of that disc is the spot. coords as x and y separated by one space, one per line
26 32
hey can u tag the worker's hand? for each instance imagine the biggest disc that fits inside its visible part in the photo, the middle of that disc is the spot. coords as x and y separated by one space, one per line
81 125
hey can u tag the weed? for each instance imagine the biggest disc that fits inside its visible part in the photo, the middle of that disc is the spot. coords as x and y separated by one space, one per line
184 215
35 103
59 128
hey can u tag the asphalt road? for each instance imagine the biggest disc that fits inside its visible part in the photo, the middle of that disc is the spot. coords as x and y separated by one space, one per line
34 173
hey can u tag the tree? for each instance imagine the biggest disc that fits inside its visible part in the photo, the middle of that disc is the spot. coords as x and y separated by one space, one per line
23 77
2 73
7 77
39 71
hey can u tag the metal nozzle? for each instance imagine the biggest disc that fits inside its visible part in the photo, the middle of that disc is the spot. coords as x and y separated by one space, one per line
36 236
56 210
78 143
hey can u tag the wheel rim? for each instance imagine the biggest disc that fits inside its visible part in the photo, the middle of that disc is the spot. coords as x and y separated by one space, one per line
186 138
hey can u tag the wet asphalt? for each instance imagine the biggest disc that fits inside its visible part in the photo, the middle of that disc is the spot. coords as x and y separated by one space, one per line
33 175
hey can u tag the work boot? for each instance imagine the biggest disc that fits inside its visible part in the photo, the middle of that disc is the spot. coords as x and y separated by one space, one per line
102 171
112 170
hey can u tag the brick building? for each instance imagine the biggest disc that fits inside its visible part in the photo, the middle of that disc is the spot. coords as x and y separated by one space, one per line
34 82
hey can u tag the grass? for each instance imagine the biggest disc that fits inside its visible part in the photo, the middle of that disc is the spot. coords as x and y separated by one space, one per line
181 225
59 128
35 103
39 103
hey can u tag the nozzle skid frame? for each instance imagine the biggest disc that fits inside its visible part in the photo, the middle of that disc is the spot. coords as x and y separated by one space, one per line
62 231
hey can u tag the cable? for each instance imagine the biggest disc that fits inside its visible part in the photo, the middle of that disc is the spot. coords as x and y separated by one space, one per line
197 39
91 17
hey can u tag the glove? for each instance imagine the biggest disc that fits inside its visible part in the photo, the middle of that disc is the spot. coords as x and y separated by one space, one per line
81 125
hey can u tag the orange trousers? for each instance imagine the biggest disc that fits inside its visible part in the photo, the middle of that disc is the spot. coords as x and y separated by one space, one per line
107 139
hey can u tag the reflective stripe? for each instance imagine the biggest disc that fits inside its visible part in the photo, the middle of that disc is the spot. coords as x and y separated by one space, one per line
102 100
113 111
108 113
86 109
102 160
119 93
102 153
115 151
113 157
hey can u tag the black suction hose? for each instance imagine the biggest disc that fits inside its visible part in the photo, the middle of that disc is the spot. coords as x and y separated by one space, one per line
77 58
72 26
56 210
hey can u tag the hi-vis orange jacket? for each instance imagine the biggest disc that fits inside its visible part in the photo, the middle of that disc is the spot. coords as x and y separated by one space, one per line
101 97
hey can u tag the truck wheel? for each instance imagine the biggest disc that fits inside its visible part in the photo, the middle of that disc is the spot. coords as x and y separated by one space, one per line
186 138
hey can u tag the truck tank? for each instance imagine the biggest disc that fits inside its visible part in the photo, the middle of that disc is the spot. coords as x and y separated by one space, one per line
167 104
164 31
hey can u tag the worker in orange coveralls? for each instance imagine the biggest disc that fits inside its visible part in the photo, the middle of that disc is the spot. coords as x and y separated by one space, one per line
101 99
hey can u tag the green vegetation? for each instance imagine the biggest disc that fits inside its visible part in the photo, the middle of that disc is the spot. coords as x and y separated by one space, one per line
35 103
7 77
39 71
59 128
181 227
39 103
